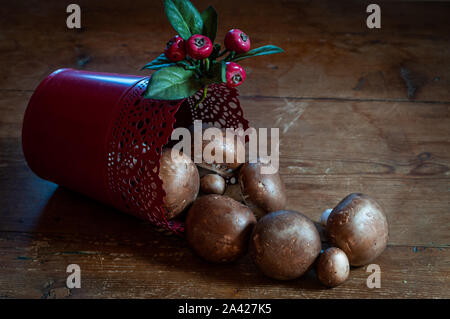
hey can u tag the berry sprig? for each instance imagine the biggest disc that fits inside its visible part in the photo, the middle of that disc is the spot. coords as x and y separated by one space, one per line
191 60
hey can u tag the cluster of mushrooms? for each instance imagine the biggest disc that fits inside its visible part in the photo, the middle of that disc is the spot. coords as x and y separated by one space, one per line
223 221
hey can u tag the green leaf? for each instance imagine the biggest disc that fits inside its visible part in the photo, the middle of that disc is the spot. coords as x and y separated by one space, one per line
223 71
183 17
265 50
209 17
158 63
172 83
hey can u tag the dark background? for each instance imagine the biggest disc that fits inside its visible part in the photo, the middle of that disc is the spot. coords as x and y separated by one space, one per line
359 110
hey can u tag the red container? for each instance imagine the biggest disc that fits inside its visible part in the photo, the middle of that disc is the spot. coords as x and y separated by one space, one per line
95 134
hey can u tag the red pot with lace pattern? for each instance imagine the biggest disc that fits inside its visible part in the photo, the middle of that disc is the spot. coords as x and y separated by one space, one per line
94 133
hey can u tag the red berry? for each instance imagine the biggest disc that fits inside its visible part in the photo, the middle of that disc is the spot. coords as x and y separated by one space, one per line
238 41
199 46
235 74
175 50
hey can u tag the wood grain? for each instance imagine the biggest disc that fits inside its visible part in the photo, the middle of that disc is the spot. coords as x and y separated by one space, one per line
329 151
339 97
330 53
145 264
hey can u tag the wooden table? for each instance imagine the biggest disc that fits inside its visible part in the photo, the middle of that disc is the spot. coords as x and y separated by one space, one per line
359 110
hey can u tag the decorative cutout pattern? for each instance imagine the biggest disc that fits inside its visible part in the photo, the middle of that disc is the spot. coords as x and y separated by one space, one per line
221 108
141 129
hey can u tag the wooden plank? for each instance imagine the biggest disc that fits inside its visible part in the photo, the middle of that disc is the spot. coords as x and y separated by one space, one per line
417 208
330 51
33 205
340 98
396 152
12 109
145 264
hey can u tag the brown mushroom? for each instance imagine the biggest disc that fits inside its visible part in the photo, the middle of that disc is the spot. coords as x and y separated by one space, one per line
284 244
263 193
332 267
218 228
212 184
234 191
324 217
359 227
229 146
180 179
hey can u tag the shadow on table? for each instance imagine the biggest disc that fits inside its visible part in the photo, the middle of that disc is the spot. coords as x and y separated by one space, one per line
80 224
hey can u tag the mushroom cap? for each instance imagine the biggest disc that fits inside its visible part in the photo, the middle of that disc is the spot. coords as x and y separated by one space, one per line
212 184
263 193
359 227
230 147
181 181
218 228
234 191
324 217
332 267
284 244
